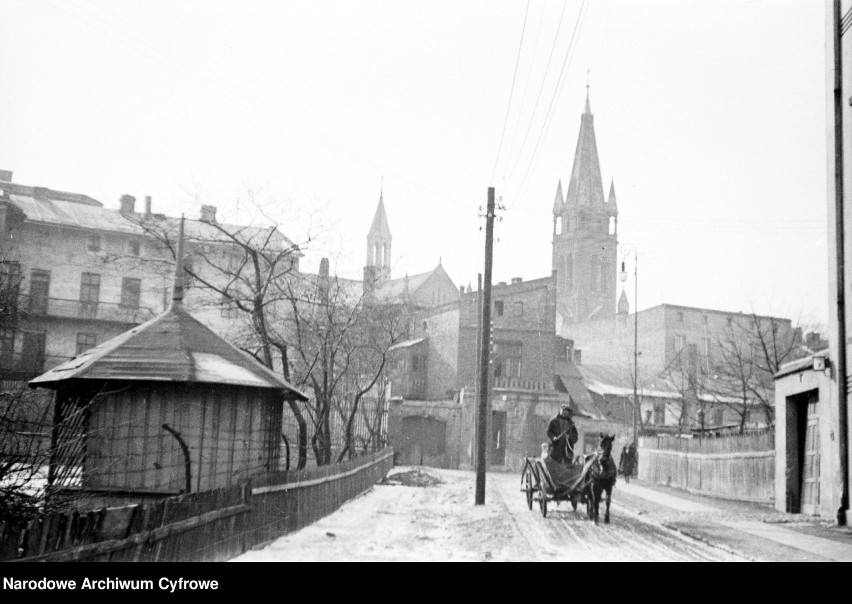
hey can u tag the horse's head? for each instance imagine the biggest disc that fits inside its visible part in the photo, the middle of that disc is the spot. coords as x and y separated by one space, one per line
606 444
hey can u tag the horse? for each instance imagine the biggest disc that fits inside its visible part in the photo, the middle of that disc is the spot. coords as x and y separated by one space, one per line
602 473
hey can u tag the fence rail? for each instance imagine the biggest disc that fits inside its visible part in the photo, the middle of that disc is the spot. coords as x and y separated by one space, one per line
738 467
205 526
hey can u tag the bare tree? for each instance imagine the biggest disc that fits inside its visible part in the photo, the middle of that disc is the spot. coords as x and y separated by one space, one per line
242 271
749 352
341 337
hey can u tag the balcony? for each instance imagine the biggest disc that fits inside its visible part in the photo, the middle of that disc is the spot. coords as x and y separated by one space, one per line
77 309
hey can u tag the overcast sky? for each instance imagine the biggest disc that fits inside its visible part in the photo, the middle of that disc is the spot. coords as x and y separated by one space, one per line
710 118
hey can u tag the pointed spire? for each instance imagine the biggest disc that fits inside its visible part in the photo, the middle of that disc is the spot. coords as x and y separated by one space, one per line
380 229
623 304
559 202
177 291
588 110
585 186
611 202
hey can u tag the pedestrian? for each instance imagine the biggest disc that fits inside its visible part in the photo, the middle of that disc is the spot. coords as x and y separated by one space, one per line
563 435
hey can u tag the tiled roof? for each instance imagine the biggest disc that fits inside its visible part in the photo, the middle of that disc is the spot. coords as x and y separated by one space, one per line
173 347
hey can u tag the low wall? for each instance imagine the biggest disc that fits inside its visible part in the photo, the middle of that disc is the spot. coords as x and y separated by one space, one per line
211 525
735 467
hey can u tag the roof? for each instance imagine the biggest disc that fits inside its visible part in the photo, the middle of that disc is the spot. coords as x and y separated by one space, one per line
395 288
572 381
585 186
172 347
78 211
614 380
379 228
806 363
407 344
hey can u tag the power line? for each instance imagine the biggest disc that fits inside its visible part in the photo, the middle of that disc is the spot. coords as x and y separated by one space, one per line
540 89
512 90
568 55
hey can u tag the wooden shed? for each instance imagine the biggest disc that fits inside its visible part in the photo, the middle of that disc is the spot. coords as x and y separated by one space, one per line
164 408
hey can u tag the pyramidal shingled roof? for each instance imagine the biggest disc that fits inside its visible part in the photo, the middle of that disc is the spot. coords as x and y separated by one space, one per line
172 347
586 186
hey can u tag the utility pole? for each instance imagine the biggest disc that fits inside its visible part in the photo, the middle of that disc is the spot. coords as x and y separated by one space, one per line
478 357
484 351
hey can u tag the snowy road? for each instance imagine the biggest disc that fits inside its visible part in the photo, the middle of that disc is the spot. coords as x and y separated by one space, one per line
440 523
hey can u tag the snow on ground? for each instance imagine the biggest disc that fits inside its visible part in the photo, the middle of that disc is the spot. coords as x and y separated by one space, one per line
395 522
436 520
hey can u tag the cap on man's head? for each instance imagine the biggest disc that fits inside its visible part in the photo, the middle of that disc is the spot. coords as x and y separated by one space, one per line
567 408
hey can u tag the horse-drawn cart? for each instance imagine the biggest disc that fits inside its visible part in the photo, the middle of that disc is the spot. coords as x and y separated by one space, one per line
549 480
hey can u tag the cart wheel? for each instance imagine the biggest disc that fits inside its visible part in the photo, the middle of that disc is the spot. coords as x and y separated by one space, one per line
543 503
528 488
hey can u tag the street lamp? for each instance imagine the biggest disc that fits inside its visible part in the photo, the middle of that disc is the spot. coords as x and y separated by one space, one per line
628 250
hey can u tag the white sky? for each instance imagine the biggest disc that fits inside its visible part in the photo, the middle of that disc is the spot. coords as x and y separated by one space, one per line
710 117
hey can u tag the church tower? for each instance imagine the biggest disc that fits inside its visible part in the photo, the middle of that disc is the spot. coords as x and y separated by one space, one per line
585 236
377 269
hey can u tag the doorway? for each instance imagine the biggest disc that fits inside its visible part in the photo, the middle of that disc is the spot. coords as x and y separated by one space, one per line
803 453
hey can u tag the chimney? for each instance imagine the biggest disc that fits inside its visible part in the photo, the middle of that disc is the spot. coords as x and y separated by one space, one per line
208 213
128 203
5 176
516 280
147 205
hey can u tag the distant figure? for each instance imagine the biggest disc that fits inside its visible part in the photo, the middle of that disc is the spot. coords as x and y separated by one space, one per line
563 435
627 462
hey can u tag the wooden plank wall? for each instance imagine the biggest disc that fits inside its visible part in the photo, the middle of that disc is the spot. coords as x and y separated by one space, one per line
211 525
738 467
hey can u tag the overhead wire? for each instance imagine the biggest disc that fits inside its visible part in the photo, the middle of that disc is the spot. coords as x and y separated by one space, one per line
511 90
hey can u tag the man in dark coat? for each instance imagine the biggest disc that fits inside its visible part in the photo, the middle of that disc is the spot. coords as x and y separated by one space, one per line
563 435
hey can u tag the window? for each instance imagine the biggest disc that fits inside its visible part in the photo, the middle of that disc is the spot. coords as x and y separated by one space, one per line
498 308
706 319
569 268
86 341
10 278
130 292
90 293
679 343
93 243
680 317
517 309
718 416
32 353
135 248
39 291
507 359
425 326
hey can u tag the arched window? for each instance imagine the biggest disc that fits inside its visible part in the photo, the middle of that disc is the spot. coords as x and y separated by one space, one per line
559 224
376 255
612 225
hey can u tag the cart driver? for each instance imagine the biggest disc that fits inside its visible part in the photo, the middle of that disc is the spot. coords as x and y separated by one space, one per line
562 434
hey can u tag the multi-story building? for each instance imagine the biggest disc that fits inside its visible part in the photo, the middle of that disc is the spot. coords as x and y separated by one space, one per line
86 273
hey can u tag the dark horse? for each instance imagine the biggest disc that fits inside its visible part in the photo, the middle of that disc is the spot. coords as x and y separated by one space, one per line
602 478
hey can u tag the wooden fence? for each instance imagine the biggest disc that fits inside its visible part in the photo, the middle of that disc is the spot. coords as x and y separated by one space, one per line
738 467
206 526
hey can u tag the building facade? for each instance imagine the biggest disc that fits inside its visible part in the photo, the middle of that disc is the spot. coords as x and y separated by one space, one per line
86 273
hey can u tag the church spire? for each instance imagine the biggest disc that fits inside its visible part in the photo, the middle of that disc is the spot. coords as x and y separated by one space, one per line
379 241
586 187
610 201
559 201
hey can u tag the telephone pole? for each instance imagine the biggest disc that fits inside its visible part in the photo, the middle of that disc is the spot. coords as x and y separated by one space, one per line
484 352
